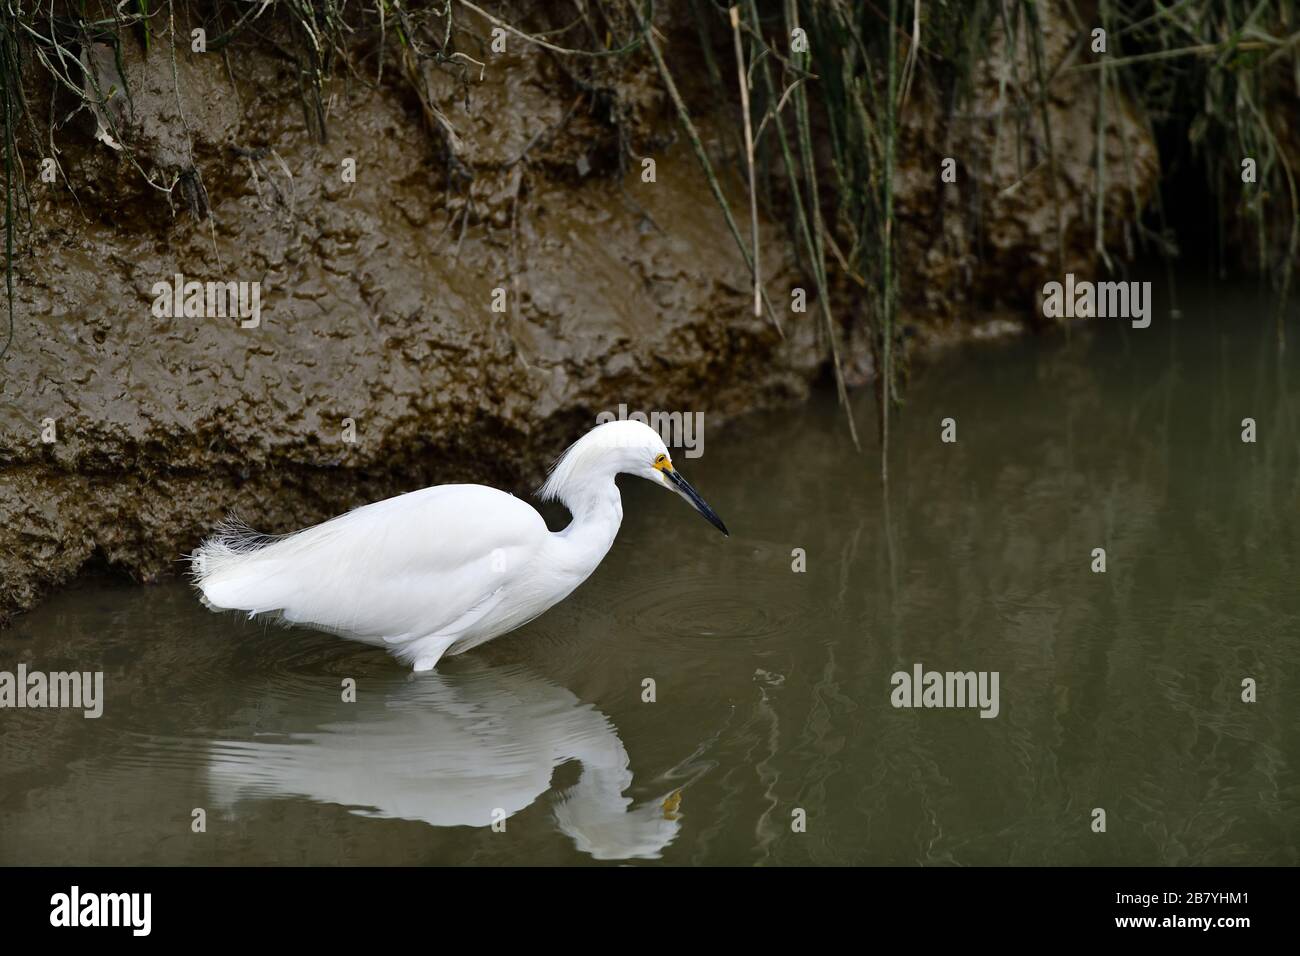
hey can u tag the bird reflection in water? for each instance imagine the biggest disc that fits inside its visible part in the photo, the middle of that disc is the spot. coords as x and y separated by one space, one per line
460 749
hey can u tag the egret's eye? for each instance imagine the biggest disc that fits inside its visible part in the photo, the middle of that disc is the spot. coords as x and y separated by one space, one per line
661 461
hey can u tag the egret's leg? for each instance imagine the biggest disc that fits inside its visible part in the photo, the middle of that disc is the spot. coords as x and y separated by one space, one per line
425 652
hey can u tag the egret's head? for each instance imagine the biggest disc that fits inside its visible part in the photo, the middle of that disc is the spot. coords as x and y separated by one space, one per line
622 447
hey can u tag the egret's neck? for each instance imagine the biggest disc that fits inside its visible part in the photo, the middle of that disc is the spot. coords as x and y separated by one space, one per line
597 510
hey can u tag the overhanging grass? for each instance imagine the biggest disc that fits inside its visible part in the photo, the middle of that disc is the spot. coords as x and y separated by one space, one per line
1220 70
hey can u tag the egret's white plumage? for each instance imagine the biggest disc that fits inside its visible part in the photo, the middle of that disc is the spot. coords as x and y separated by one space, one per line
444 569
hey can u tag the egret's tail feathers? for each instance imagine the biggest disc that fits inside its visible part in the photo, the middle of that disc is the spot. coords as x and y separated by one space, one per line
238 568
231 538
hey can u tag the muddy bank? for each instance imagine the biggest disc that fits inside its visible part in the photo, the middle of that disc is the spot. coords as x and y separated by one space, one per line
124 433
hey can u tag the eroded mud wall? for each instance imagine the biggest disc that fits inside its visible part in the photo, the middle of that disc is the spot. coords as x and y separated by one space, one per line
376 300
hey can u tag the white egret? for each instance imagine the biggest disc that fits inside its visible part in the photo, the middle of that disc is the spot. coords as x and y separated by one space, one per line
441 570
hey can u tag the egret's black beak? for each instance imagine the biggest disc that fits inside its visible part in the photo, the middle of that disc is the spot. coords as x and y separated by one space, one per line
683 488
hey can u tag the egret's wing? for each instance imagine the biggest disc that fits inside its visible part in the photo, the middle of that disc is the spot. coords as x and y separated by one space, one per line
401 568
467 620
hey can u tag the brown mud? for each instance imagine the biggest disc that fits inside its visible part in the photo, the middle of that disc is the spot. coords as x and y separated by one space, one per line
377 294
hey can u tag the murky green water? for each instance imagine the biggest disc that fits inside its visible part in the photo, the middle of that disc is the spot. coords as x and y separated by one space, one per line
1119 691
